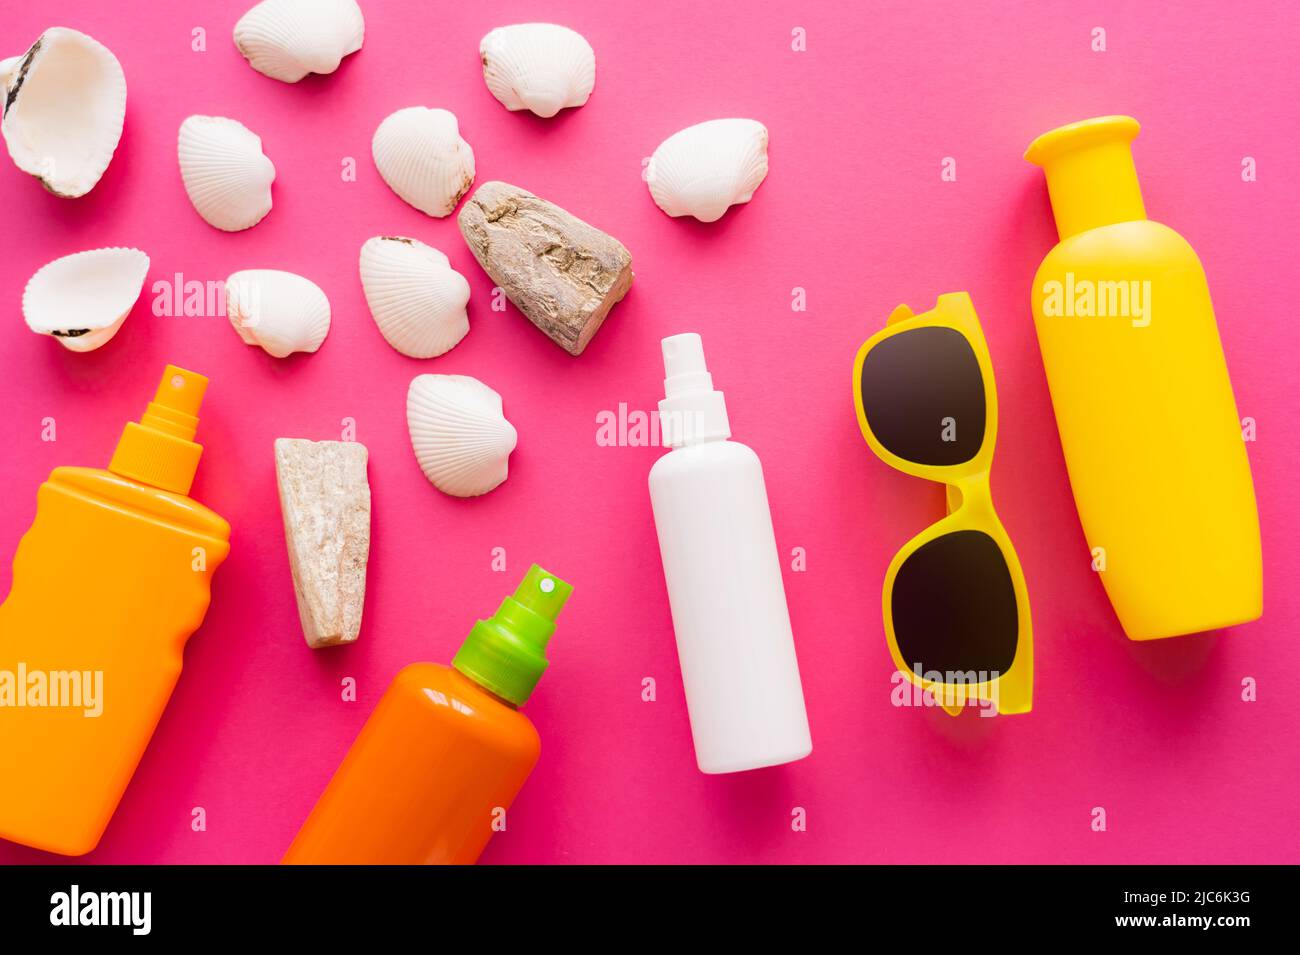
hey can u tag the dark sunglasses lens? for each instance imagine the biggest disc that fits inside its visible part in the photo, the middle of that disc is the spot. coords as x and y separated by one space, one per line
954 607
923 395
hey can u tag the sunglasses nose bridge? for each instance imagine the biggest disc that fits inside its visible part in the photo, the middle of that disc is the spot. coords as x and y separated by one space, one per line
971 494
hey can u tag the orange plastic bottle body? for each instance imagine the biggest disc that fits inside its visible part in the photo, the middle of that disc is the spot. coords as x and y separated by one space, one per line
439 760
108 584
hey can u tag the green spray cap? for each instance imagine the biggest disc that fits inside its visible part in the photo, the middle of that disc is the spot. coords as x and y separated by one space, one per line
507 653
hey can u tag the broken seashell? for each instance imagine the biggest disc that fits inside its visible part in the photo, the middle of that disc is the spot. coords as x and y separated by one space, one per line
280 312
459 433
417 299
227 176
423 158
64 103
542 67
82 299
705 169
287 39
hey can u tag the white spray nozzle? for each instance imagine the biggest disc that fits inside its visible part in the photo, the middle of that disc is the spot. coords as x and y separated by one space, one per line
684 369
683 355
692 411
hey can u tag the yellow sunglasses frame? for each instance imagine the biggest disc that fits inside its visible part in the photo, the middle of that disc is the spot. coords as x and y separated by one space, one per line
970 507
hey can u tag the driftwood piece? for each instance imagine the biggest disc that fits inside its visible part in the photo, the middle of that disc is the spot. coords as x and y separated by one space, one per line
325 500
562 273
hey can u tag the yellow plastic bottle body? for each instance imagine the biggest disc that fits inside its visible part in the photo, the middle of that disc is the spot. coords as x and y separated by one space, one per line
1144 406
435 767
112 578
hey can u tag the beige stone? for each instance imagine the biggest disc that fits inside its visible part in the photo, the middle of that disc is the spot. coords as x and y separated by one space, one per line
325 500
562 273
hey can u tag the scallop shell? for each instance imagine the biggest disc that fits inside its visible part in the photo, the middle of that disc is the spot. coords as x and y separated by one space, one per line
287 39
227 176
64 103
540 67
460 435
705 169
417 299
423 159
280 312
82 299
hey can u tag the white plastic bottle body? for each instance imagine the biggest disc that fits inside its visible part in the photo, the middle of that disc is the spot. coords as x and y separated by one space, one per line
734 641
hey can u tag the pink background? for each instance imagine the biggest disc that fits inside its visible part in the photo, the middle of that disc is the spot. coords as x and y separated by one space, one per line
853 211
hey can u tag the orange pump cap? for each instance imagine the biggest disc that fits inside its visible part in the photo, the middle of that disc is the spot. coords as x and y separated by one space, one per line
160 449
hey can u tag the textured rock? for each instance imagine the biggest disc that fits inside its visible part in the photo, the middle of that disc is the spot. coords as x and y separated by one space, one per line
325 499
564 274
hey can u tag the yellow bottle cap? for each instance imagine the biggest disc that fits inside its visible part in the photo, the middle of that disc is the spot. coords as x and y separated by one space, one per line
160 449
1091 178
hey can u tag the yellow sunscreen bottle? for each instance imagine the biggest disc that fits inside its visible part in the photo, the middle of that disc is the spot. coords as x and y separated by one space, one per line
1148 423
108 585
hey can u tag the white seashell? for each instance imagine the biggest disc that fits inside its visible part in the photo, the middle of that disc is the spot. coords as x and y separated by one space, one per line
280 312
417 299
460 435
423 159
287 39
227 176
64 103
82 299
705 169
540 67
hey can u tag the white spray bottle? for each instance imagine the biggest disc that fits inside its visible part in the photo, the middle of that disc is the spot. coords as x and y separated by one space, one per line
724 579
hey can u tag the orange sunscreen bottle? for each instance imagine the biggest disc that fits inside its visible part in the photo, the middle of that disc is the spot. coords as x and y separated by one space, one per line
108 585
435 768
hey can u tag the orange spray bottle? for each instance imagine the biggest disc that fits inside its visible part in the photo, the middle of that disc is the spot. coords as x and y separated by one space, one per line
444 753
108 585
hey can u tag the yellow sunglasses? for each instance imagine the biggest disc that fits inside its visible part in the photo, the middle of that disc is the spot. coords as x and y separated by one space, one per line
955 602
